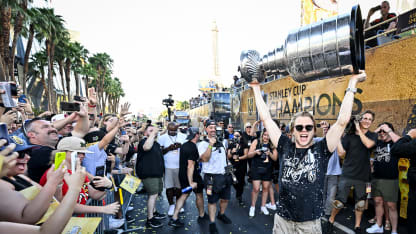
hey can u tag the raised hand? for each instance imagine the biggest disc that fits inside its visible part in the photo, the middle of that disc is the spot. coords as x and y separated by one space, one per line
125 109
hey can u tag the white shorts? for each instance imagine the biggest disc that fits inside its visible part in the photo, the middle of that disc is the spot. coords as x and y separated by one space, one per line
172 178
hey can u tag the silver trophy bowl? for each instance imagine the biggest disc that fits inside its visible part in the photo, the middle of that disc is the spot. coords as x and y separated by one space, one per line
330 48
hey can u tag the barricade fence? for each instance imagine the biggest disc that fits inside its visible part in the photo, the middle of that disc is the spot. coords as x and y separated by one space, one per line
125 200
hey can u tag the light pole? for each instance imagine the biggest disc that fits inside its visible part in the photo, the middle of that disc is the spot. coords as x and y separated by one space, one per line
168 102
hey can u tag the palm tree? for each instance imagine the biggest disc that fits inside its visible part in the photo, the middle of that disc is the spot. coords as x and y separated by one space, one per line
88 71
31 29
61 52
52 32
102 63
38 63
79 57
6 7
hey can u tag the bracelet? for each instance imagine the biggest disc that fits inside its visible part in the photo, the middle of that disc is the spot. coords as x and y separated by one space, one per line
353 90
210 146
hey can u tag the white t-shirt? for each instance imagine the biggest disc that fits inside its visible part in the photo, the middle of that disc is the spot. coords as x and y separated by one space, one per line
216 163
171 158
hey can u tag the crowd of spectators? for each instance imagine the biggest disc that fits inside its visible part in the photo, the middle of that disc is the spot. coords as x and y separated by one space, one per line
96 153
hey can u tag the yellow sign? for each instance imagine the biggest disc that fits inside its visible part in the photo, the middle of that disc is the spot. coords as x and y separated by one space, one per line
404 164
30 194
78 225
130 183
1 162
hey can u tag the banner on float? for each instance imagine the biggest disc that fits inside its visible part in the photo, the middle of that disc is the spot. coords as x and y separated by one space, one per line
130 184
82 225
406 21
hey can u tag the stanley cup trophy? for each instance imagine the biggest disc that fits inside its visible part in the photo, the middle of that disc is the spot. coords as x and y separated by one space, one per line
329 48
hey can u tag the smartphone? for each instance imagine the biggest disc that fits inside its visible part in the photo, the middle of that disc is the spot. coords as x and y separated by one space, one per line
4 132
79 99
22 98
99 171
70 106
10 91
74 156
123 132
59 158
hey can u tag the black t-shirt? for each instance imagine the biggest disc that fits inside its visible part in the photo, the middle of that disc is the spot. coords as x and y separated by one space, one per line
188 151
247 139
130 153
150 163
357 158
240 151
301 180
385 165
39 162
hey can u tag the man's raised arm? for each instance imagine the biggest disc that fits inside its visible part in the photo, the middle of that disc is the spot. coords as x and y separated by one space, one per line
335 132
265 117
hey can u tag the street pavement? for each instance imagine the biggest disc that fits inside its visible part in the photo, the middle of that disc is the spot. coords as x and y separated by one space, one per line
242 223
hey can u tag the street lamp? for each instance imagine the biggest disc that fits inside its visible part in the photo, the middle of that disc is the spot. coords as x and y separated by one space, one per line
168 102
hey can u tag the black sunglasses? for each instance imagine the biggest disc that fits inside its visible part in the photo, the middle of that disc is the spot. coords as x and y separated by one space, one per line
22 153
301 127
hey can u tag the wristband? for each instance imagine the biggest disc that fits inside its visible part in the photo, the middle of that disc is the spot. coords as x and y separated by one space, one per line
353 90
210 146
92 106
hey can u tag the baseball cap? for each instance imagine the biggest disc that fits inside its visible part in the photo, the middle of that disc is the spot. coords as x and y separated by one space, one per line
57 117
192 131
74 144
21 144
94 137
210 122
248 124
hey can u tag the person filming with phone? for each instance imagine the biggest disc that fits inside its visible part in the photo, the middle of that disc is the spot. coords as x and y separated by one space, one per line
74 148
384 8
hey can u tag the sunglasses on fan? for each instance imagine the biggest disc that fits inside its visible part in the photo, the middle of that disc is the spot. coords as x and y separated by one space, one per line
308 128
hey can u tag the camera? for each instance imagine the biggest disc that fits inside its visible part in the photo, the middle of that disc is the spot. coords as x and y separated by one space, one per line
229 170
263 150
350 128
111 149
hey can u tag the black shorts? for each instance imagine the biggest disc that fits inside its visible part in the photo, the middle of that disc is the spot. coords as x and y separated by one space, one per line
261 173
200 184
221 187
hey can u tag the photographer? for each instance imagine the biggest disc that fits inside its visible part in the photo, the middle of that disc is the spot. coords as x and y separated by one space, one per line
263 152
384 183
76 145
150 168
237 154
217 181
356 145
